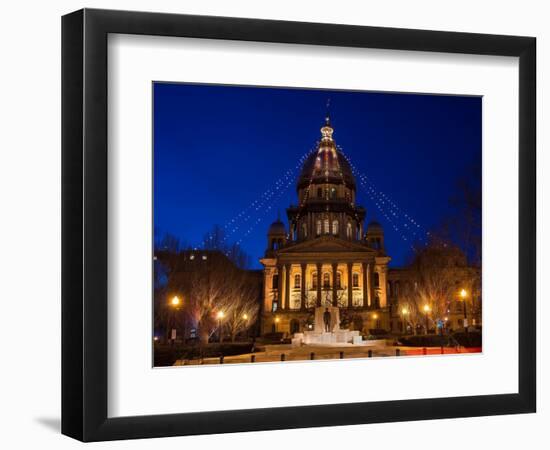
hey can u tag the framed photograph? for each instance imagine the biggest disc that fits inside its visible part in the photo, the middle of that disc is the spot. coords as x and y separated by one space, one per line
273 225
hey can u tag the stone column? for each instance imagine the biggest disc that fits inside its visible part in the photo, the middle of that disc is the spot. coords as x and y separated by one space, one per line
334 285
280 287
303 287
319 268
383 286
371 284
287 286
350 285
366 282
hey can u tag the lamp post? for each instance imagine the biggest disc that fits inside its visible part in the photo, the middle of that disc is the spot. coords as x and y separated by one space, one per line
463 295
220 317
245 318
427 310
404 312
175 303
277 320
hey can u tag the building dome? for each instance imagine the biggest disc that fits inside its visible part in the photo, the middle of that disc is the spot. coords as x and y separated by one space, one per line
326 163
277 228
374 227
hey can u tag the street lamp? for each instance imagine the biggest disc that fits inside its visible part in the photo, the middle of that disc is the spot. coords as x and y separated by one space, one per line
277 320
427 310
245 318
404 312
220 317
175 303
463 295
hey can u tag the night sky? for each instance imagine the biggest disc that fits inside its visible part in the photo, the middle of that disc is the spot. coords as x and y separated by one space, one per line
218 149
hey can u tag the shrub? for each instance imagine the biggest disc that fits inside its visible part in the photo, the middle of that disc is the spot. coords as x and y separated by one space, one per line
470 339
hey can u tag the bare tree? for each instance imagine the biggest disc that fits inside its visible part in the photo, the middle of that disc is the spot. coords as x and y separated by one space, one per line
409 304
211 293
463 225
244 306
216 239
437 274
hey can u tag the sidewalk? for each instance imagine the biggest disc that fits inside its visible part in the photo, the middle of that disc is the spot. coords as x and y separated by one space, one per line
278 353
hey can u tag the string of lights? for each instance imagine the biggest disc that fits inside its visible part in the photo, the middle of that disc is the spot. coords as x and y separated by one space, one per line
403 224
265 211
261 205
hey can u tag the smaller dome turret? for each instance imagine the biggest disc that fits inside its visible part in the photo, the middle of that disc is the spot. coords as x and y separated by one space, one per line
276 236
374 227
277 228
375 235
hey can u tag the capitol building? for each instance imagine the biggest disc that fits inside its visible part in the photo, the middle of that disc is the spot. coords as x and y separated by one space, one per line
330 256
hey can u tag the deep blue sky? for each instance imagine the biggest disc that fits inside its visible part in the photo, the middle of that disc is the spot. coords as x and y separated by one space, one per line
218 148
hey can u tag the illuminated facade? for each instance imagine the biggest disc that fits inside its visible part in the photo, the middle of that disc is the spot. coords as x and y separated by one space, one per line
328 256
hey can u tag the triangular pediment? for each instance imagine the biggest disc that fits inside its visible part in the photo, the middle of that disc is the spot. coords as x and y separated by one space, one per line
326 244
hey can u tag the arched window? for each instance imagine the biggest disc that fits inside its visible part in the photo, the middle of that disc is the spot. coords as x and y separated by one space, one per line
348 231
304 230
275 284
333 192
297 280
326 280
318 228
355 278
314 280
376 280
327 225
339 280
319 192
396 288
335 227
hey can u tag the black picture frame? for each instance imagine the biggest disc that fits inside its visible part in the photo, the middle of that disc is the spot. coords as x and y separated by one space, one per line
84 224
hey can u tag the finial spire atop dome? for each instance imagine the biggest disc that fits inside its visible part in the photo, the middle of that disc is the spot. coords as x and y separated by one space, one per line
327 130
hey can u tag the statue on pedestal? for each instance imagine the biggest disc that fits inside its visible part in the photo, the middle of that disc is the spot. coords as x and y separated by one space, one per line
327 320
